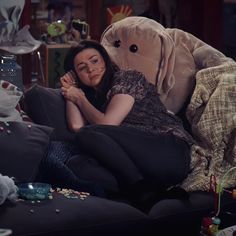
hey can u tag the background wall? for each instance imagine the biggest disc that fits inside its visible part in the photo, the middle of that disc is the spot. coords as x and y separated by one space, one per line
213 21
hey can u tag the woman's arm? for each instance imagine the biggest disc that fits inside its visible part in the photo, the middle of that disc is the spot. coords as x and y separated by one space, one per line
118 108
75 119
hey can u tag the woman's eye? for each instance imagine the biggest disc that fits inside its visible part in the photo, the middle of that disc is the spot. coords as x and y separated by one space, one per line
117 43
82 68
95 61
133 48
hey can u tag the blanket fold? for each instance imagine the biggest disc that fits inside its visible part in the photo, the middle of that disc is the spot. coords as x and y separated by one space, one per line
212 114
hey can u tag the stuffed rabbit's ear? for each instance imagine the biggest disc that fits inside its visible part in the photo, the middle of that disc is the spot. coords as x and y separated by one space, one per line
104 32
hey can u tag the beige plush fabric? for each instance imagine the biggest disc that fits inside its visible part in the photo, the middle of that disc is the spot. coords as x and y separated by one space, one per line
212 113
155 54
169 58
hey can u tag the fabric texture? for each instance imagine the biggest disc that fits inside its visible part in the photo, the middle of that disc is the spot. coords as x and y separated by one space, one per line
148 113
53 170
23 145
211 113
89 217
46 106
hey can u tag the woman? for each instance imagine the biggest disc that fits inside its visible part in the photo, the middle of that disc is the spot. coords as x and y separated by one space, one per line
130 132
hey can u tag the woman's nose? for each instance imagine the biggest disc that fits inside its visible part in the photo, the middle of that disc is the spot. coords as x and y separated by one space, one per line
90 68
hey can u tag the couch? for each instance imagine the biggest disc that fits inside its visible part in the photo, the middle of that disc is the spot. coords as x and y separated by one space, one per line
23 148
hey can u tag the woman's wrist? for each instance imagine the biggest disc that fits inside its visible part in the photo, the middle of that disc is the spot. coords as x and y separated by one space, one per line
80 98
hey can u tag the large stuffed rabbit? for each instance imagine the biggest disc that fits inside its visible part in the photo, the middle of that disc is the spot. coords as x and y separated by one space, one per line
169 58
187 73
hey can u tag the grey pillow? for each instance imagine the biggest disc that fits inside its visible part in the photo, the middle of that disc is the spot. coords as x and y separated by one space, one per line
46 106
22 147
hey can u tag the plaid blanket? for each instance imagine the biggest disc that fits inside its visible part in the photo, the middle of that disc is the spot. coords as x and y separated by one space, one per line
212 114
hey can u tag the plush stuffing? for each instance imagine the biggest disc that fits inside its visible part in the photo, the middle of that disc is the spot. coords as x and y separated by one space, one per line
10 108
169 58
23 145
8 189
46 106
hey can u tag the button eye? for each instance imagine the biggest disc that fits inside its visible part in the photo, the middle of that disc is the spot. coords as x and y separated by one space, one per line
117 43
133 48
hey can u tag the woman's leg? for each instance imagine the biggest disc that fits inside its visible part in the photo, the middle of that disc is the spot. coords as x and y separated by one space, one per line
54 171
109 154
162 159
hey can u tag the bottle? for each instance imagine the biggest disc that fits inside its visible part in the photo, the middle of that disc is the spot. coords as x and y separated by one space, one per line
9 70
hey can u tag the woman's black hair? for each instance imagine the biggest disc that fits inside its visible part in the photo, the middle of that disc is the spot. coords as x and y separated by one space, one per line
97 97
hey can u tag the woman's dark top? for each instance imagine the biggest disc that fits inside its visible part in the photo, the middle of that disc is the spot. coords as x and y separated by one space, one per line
148 113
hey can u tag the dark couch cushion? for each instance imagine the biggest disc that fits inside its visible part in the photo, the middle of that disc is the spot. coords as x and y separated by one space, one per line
64 216
185 215
22 146
46 106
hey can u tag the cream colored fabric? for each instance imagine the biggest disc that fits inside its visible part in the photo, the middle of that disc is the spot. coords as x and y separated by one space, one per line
212 114
169 58
9 98
155 49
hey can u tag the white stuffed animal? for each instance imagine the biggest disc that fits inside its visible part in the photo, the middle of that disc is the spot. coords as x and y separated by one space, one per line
8 189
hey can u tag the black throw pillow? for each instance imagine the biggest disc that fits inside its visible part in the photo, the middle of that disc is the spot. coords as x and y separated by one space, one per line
22 146
46 106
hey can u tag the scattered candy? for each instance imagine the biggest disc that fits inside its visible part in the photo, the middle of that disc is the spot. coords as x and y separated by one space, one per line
72 194
67 193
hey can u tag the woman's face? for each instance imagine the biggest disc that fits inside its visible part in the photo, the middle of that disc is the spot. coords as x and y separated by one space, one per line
90 67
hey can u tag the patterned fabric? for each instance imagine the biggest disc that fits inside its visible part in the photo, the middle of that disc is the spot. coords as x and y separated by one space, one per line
212 114
148 113
53 167
10 108
53 170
